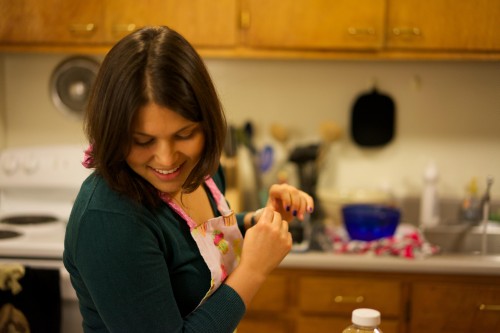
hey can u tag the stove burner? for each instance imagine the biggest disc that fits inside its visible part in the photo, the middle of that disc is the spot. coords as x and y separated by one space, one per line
6 234
28 219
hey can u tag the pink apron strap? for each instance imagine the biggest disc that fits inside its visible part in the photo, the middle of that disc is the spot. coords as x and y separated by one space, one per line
220 201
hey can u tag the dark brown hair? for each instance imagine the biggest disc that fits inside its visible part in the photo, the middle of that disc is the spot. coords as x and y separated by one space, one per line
153 64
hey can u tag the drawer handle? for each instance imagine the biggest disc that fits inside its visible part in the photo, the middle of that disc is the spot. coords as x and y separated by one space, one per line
349 299
361 31
487 307
406 31
83 28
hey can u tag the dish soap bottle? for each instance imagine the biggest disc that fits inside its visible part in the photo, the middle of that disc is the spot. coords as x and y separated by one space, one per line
429 204
470 209
364 321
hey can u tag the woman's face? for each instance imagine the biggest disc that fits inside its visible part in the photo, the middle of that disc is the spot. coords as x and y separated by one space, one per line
165 147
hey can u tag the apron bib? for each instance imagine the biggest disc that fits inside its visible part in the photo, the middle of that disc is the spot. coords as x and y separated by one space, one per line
219 239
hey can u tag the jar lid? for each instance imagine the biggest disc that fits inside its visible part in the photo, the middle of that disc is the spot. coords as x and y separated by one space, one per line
366 317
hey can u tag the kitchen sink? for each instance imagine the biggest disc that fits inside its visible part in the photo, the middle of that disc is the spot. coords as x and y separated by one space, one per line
465 238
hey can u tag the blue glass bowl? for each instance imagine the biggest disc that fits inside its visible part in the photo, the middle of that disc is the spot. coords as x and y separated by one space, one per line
369 222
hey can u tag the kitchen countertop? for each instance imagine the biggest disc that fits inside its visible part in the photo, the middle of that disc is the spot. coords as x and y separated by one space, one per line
437 264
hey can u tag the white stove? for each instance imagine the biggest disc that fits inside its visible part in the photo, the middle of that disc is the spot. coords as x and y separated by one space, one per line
38 186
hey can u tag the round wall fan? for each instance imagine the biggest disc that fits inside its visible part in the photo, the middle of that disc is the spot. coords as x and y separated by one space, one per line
71 83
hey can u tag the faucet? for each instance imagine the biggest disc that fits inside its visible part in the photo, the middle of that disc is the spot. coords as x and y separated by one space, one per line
485 201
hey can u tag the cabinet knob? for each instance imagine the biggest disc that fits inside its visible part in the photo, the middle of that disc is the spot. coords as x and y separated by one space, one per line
82 28
127 27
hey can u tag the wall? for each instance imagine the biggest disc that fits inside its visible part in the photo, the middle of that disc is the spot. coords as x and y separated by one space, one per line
446 111
31 118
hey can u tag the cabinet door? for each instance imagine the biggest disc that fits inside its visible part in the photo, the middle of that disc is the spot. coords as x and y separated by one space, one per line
466 25
202 22
272 296
267 312
454 307
51 21
313 24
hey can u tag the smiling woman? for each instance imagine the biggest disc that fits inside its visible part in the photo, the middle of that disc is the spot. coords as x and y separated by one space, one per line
152 245
166 147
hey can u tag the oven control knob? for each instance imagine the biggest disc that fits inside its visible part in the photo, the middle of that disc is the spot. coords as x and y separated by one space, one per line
30 165
10 165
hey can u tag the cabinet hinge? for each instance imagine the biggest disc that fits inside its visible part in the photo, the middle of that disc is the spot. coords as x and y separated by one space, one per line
244 19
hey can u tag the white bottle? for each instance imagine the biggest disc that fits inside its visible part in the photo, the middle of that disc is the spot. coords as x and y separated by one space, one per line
429 203
364 321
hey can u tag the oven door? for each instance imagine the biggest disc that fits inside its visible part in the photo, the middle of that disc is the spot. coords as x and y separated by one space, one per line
71 319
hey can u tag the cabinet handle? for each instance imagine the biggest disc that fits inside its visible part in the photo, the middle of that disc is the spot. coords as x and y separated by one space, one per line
349 299
488 307
361 31
87 28
406 31
120 28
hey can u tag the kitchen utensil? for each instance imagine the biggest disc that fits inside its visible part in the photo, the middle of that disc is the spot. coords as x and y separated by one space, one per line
329 132
373 119
231 142
368 222
281 170
280 133
305 159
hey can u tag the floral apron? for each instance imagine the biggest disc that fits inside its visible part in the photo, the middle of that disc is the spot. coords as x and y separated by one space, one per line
219 239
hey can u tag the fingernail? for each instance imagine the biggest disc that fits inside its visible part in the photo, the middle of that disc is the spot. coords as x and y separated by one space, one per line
310 209
294 213
287 208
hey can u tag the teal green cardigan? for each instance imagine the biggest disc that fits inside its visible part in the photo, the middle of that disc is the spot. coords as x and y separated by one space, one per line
135 270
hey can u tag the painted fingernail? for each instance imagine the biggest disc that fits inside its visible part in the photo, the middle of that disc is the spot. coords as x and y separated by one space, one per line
310 209
287 208
294 213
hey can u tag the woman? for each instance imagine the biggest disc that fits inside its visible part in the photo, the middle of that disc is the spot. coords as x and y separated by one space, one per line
151 244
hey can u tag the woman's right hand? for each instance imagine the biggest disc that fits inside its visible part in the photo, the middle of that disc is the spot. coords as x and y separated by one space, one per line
264 247
267 243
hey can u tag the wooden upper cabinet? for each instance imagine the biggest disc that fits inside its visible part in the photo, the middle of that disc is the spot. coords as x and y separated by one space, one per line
465 25
313 24
51 21
255 28
204 23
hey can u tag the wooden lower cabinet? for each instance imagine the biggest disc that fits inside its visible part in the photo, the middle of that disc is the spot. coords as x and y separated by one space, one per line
321 301
440 307
307 301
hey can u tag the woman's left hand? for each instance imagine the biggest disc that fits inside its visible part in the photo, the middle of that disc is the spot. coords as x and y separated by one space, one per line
289 201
